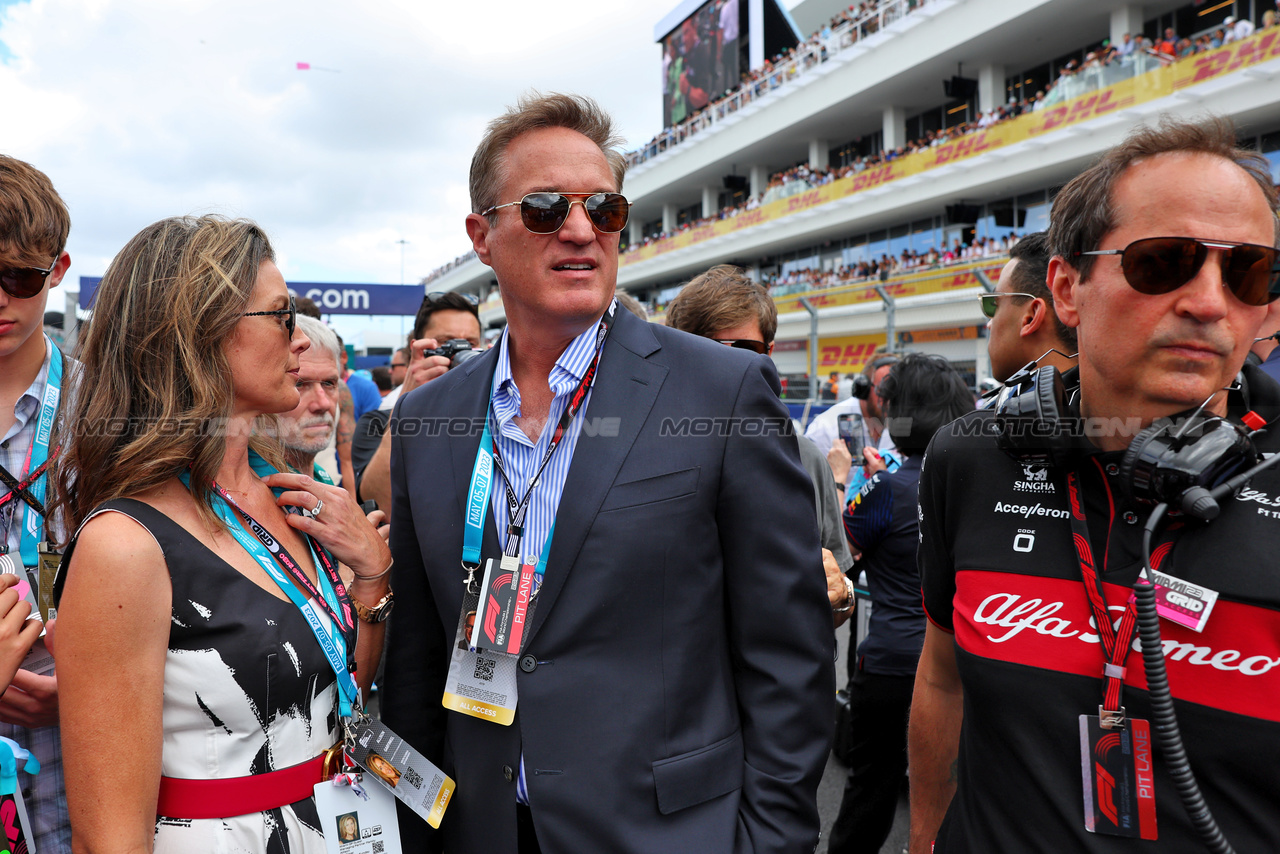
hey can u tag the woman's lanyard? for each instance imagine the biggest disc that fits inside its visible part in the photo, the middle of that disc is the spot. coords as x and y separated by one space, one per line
330 598
31 486
488 459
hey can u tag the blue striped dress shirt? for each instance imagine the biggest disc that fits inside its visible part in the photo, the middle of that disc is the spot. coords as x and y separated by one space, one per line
521 457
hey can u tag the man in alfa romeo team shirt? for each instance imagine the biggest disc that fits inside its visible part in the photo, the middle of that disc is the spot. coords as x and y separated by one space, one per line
1011 681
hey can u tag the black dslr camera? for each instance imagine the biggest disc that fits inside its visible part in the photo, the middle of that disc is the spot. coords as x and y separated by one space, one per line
456 350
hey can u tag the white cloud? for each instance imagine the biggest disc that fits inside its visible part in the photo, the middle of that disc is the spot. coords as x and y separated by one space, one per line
141 109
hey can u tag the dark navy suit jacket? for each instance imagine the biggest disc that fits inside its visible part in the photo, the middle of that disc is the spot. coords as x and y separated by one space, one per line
682 698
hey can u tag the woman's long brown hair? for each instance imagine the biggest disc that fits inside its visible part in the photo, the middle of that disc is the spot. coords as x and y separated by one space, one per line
155 393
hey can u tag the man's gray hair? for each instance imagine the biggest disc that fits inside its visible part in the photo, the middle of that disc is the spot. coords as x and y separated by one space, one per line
321 336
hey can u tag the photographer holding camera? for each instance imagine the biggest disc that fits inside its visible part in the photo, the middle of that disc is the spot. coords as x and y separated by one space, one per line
445 333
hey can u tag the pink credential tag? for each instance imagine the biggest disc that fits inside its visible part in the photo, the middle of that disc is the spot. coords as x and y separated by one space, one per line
1182 602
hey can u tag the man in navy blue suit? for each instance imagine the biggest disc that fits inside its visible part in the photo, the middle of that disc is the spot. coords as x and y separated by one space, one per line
673 690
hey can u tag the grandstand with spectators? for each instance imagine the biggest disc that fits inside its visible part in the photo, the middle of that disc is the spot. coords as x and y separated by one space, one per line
874 162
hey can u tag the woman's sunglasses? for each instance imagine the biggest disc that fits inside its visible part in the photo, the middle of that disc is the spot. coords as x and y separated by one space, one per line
545 213
290 315
25 282
1159 265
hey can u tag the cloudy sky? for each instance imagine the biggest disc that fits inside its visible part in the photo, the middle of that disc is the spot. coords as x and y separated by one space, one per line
142 109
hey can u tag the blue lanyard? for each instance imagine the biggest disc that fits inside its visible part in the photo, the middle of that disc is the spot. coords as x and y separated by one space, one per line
478 500
478 507
38 454
327 631
487 460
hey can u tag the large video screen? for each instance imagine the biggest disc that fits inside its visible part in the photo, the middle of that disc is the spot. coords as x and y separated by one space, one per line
700 59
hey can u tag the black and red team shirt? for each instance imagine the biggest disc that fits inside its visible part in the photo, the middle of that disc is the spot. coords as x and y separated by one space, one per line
999 571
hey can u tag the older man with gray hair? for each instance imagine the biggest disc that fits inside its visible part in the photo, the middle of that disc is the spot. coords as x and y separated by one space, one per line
308 429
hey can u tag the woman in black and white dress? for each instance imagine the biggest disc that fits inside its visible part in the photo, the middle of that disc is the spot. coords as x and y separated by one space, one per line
183 666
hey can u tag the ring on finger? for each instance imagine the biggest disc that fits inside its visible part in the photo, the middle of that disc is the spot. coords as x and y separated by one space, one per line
315 511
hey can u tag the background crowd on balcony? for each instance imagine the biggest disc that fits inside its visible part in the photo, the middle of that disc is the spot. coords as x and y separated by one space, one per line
845 29
1098 69
808 275
1103 67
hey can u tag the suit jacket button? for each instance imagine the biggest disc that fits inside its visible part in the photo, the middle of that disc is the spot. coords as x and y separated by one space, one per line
528 663
507 773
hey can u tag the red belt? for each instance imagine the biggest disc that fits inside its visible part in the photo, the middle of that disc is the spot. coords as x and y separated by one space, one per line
233 796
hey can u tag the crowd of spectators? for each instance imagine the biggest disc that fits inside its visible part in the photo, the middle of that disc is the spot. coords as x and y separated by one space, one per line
810 279
1099 69
844 30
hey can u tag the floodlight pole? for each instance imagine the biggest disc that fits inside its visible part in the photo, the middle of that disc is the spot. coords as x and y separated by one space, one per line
403 243
813 347
889 331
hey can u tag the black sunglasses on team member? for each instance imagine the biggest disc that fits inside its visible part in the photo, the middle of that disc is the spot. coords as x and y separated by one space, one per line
1159 265
989 304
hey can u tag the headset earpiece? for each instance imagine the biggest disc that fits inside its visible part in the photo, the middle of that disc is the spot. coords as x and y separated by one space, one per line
1030 420
861 386
862 383
1177 461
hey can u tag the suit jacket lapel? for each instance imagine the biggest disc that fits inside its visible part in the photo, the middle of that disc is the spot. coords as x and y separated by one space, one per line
625 389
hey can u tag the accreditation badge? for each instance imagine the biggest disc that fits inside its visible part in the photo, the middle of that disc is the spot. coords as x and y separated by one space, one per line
17 826
395 764
49 561
357 819
1182 602
38 659
1119 781
481 684
502 614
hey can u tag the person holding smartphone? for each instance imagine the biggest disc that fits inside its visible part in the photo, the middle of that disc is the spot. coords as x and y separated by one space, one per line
866 423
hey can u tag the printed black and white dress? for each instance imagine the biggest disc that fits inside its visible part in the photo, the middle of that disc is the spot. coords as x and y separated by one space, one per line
247 690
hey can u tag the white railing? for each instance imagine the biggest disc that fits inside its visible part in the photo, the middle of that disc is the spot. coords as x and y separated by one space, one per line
818 49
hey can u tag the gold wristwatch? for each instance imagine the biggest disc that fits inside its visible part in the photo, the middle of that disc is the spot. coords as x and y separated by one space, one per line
376 614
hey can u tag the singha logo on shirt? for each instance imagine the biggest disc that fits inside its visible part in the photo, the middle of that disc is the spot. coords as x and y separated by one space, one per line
1035 479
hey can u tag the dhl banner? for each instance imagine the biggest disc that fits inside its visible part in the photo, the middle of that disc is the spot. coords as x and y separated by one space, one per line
846 353
849 353
1260 47
908 285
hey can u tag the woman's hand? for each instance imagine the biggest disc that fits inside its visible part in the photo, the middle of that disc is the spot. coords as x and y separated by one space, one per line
873 461
340 527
